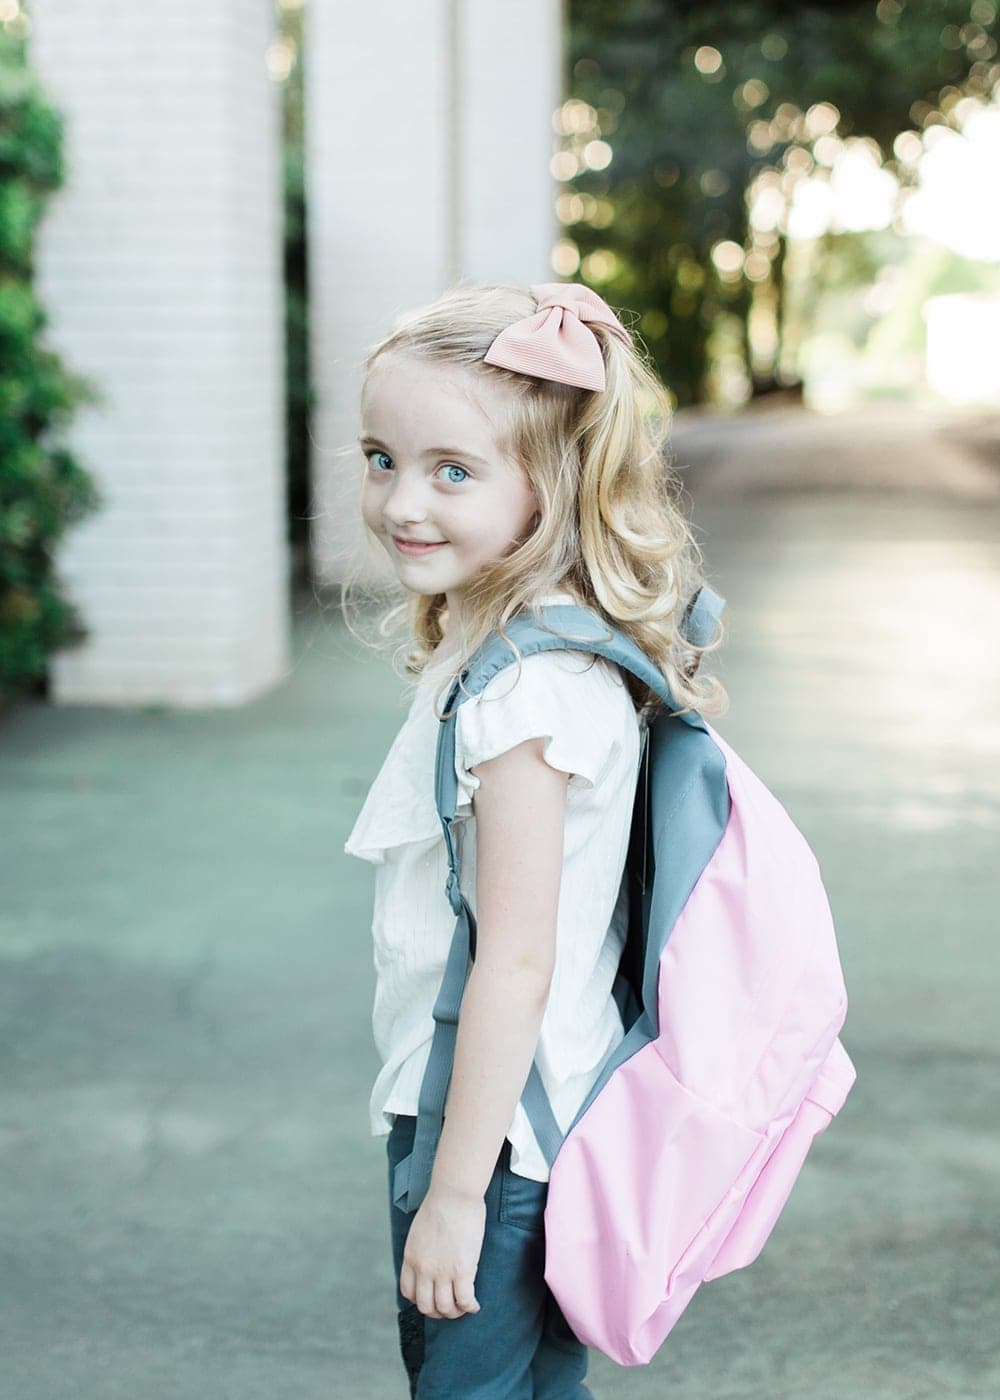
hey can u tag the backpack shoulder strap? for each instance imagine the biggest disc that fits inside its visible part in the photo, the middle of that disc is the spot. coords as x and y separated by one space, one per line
568 626
563 626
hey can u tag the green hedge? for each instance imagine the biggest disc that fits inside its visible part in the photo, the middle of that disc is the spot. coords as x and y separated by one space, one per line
43 489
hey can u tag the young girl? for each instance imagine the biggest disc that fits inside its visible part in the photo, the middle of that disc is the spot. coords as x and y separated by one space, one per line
513 441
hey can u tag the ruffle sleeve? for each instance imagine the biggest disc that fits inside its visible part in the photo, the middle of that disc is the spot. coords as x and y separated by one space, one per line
400 809
564 697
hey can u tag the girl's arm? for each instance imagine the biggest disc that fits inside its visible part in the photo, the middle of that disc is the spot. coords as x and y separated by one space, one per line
520 810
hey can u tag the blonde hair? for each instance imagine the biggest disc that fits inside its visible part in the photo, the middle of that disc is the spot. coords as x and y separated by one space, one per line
611 529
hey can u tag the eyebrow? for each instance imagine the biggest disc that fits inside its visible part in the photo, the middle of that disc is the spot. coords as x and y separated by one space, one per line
366 441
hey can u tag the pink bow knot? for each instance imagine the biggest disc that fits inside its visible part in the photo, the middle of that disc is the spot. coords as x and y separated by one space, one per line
554 342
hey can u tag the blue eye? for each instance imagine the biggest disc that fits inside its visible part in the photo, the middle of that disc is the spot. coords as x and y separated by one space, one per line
446 466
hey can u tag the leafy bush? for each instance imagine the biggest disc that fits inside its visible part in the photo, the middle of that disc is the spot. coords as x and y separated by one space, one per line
43 489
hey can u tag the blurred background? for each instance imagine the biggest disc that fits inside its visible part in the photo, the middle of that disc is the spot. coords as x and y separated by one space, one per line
207 213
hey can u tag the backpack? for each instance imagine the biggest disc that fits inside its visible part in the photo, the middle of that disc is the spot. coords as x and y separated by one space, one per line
680 1159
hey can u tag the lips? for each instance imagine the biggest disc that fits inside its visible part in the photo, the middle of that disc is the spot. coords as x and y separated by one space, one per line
416 547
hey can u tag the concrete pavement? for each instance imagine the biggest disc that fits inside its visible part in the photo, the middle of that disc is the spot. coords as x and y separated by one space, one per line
191 1206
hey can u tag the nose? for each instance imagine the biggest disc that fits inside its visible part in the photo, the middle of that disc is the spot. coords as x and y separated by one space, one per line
405 503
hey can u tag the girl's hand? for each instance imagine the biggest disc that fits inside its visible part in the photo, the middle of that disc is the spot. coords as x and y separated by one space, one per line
442 1254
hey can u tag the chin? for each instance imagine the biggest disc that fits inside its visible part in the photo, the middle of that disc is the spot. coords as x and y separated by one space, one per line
421 584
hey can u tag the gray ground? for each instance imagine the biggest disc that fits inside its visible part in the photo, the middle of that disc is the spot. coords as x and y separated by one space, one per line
191 1205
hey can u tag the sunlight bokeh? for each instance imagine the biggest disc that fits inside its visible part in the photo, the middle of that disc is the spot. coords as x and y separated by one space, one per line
924 325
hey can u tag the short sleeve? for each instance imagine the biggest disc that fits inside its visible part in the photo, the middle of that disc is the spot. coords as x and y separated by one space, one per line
564 697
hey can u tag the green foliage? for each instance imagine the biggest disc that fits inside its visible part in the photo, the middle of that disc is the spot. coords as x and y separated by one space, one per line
43 489
682 160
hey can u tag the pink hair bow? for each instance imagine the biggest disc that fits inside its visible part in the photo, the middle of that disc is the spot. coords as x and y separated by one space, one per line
553 342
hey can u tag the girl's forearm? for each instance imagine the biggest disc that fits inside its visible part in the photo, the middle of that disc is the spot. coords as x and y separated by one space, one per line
501 1015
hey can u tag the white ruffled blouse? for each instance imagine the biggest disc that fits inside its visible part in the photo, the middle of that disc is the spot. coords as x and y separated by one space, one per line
579 703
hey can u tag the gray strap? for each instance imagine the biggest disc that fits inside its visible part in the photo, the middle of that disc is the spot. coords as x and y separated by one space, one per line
535 1102
412 1175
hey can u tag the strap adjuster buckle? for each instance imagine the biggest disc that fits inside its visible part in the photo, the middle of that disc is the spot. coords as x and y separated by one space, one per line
453 892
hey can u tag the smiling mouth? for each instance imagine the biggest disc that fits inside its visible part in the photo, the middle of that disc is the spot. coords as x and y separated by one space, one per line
416 546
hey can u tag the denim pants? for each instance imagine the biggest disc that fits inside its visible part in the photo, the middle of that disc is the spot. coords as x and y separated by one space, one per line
518 1346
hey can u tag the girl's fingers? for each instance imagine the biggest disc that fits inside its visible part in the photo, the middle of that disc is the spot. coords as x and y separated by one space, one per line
441 1299
444 1299
425 1297
407 1283
465 1296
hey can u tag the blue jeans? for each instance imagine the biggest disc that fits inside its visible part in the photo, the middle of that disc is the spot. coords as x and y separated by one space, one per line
518 1346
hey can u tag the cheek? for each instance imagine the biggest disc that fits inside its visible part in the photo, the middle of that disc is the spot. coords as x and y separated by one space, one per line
371 512
520 516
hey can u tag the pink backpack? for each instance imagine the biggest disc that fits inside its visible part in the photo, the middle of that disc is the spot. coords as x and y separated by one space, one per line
681 1158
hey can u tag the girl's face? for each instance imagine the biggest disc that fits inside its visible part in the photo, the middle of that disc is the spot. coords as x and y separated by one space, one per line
436 479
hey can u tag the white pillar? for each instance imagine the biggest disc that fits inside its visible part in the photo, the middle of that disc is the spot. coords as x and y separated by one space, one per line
160 267
429 139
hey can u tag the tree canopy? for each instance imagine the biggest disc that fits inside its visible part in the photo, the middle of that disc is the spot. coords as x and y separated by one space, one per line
681 105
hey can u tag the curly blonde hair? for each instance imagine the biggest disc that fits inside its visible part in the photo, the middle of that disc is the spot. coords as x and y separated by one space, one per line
611 530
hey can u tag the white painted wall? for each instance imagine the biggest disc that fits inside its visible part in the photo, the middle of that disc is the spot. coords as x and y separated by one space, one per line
160 267
429 138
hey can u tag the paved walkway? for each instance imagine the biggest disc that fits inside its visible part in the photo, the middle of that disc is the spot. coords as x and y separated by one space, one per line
191 1206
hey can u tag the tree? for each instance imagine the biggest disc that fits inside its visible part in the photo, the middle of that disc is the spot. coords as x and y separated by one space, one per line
698 99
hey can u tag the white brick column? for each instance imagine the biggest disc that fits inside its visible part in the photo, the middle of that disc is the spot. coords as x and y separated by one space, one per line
160 267
429 136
